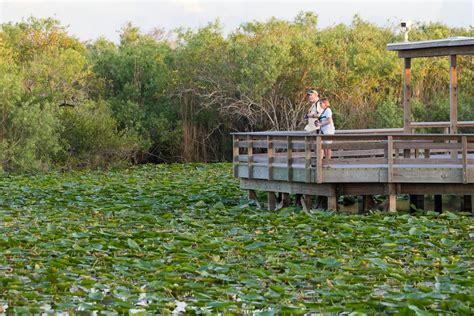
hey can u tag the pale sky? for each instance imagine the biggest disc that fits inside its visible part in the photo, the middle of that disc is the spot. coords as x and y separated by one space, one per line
89 20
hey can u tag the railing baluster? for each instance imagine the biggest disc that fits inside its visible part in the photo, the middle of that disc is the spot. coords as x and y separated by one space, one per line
390 158
319 161
270 157
307 165
465 175
250 156
236 152
289 158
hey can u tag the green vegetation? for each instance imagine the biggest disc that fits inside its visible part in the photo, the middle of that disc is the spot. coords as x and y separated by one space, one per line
150 237
175 96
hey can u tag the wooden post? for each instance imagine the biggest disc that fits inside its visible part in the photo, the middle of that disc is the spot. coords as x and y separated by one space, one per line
270 157
427 153
466 203
236 152
253 196
319 161
418 201
453 101
324 202
407 96
438 203
332 199
271 201
392 198
332 202
306 202
453 95
285 200
250 156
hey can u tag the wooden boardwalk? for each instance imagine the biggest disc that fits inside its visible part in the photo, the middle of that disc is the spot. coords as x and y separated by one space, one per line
362 164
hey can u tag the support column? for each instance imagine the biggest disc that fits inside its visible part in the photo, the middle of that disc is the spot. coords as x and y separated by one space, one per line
466 203
271 201
332 199
252 195
453 95
418 201
366 204
407 97
306 202
438 203
392 198
332 202
285 199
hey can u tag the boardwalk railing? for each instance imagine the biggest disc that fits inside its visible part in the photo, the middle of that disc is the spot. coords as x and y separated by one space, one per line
395 158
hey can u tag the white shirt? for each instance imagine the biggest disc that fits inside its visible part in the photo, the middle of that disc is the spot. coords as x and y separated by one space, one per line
316 108
326 128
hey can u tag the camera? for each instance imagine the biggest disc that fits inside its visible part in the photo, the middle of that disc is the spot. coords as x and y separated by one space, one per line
405 25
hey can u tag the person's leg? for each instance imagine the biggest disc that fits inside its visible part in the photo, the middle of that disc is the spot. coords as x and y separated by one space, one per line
328 153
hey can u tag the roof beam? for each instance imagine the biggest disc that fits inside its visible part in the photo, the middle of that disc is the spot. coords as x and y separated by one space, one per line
436 51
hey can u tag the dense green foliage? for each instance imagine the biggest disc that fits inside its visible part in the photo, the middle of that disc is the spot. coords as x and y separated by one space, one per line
119 241
176 96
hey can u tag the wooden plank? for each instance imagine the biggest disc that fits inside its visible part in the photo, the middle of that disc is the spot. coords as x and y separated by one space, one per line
357 145
426 161
424 145
437 51
358 153
287 187
405 174
407 96
453 95
358 160
277 144
440 124
425 175
390 159
436 188
361 189
353 175
319 161
270 153
465 173
250 156
236 151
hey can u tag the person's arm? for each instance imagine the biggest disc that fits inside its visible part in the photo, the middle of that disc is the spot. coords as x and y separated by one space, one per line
329 121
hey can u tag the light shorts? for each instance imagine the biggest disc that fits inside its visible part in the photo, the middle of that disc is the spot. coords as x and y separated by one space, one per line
328 131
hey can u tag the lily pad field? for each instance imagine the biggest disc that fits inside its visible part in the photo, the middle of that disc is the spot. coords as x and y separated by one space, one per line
182 238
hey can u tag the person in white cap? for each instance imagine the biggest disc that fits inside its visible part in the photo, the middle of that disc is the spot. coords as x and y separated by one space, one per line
314 111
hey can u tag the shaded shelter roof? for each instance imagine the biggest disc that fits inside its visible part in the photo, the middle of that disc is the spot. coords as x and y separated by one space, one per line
444 47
